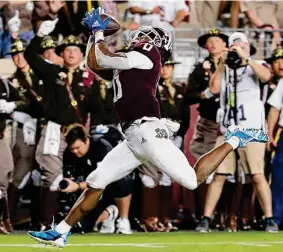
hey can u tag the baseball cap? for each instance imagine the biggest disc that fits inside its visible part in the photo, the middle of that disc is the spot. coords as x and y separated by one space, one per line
237 37
240 37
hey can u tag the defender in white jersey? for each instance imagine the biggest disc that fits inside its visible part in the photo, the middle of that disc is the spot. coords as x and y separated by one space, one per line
240 104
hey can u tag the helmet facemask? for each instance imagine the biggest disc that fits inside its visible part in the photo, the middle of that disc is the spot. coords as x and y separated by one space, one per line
144 34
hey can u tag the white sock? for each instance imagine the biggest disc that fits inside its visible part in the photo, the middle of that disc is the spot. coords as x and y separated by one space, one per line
63 227
234 142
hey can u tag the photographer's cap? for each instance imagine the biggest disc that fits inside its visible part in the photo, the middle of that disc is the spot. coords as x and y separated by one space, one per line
237 37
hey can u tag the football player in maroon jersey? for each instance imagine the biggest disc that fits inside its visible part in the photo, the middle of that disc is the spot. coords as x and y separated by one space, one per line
135 79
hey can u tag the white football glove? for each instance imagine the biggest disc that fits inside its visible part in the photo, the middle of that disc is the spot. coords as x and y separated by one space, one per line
48 26
7 107
14 23
29 131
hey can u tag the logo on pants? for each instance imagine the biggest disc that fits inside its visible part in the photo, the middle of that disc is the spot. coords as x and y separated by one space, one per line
161 133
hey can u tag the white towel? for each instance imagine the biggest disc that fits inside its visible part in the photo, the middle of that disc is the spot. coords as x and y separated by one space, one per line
29 131
173 127
20 117
52 139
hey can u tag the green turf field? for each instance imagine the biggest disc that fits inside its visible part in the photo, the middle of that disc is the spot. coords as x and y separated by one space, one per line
147 242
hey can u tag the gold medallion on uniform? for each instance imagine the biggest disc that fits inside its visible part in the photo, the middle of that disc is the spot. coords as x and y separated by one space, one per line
74 103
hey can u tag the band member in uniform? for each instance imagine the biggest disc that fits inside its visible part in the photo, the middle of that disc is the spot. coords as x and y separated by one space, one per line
275 132
48 46
147 136
10 99
29 120
68 100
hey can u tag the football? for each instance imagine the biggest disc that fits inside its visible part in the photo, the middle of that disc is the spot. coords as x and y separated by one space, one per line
113 25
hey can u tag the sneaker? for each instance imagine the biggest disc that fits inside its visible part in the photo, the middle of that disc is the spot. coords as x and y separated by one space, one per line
50 237
203 226
246 135
108 226
123 227
271 226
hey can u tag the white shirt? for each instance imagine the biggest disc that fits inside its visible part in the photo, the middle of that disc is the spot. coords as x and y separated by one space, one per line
250 107
170 7
276 100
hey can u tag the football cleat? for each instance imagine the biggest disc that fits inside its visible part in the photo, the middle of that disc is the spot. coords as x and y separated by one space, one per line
246 135
50 237
123 227
108 225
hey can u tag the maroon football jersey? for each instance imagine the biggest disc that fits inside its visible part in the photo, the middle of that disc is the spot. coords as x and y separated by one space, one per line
135 89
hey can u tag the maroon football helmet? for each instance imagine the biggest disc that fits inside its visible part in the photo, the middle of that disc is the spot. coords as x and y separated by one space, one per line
155 35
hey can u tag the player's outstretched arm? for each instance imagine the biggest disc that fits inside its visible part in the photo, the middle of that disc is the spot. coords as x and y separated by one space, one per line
99 56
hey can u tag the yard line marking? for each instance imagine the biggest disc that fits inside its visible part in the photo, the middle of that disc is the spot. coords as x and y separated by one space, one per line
149 245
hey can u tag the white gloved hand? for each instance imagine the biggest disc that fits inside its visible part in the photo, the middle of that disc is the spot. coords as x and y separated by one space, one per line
178 141
7 107
47 27
29 131
14 23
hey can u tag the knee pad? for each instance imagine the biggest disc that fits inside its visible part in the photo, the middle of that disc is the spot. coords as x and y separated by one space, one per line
189 181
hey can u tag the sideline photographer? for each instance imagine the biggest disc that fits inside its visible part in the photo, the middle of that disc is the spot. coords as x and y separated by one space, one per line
237 80
82 156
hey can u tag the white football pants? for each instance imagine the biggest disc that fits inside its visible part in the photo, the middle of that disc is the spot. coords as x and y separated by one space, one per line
145 143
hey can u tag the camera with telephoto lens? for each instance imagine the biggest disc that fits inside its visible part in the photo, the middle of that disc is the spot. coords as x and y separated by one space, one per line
233 59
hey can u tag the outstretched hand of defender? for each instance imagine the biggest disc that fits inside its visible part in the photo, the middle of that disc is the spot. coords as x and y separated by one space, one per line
94 22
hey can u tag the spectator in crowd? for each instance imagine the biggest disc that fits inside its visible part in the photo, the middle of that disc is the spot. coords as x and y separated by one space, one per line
45 10
14 12
263 14
276 62
29 123
207 13
205 133
64 106
274 109
275 144
246 109
48 46
10 100
165 14
85 153
106 95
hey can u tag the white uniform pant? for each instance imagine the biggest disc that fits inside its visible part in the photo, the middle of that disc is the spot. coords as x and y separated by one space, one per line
145 143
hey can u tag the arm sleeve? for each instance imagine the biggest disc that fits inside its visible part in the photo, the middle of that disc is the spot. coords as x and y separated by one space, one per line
40 67
133 59
275 100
